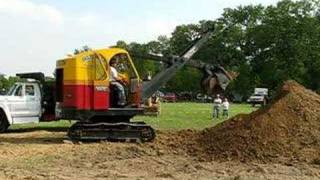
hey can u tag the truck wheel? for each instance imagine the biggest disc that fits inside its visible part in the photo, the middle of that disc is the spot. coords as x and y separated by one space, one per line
264 102
3 122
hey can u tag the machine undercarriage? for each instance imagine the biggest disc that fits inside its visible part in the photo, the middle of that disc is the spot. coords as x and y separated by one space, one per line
122 131
111 125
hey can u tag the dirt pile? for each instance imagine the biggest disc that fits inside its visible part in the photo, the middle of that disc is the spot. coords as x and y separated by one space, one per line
286 131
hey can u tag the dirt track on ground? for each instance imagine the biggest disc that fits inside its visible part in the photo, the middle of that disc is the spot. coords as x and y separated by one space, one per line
42 154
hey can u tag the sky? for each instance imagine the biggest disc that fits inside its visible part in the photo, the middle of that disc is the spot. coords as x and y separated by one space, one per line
36 33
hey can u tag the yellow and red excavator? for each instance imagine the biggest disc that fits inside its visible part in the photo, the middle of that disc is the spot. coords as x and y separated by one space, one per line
83 91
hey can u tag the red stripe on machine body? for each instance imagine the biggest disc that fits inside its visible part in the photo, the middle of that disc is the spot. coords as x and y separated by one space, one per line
86 97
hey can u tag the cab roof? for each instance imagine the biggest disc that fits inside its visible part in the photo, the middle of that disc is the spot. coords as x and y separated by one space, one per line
108 53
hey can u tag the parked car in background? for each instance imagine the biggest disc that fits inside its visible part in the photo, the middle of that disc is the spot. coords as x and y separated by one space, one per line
203 98
260 96
185 96
169 97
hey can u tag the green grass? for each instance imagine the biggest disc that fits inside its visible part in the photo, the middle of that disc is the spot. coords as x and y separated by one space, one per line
43 125
190 115
173 116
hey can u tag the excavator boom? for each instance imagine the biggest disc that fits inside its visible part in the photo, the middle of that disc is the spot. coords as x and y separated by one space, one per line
215 78
210 71
177 63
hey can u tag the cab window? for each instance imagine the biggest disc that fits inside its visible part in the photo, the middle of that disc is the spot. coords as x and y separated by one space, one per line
100 71
123 65
30 90
18 91
11 90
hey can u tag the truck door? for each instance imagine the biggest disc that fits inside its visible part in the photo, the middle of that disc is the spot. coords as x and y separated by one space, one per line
33 100
23 105
16 102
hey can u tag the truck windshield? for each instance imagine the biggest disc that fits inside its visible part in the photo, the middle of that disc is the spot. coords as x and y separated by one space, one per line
11 90
258 95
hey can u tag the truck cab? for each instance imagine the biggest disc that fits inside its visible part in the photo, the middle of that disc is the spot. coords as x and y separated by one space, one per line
22 104
260 96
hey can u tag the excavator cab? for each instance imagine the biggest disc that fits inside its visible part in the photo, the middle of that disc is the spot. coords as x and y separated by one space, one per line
128 79
83 81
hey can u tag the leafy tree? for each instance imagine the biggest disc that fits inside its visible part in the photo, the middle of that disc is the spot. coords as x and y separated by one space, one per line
265 45
3 82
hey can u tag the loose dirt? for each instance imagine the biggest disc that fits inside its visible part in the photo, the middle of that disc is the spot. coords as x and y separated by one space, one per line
46 154
281 141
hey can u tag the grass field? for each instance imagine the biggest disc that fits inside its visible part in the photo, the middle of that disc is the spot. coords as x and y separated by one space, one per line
190 115
173 116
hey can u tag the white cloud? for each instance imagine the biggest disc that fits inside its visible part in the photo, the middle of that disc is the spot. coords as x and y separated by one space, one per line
160 26
89 20
34 36
27 9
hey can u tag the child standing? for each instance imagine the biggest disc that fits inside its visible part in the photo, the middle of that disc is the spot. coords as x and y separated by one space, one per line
216 106
225 108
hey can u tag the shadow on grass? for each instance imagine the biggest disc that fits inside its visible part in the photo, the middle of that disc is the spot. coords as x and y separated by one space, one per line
20 135
32 140
39 128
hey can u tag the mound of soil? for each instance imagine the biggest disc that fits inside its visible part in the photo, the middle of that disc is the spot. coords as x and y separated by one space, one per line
288 130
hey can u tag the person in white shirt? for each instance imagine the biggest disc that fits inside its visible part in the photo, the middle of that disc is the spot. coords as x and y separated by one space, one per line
115 80
225 108
216 106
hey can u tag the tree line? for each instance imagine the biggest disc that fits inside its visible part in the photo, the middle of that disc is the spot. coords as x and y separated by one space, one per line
265 45
6 83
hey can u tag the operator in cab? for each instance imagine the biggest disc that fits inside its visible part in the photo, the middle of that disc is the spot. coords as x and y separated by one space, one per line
116 81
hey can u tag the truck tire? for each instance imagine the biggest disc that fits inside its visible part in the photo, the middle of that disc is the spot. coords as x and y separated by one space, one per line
264 102
3 122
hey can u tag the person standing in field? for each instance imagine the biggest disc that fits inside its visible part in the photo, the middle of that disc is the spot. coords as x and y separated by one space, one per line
216 106
225 108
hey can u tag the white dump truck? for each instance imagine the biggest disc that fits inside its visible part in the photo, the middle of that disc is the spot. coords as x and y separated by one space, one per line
260 96
26 102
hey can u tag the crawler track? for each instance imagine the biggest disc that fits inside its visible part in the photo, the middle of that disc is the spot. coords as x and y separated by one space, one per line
123 131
